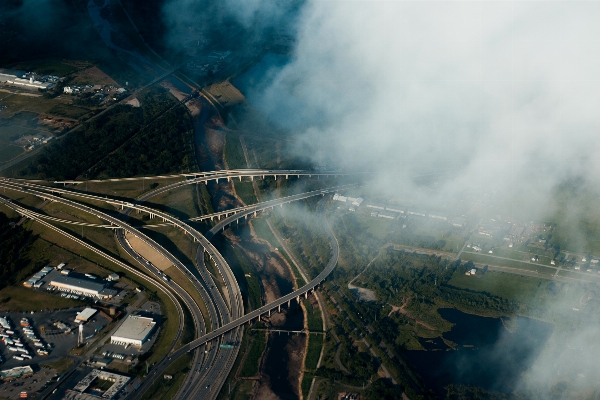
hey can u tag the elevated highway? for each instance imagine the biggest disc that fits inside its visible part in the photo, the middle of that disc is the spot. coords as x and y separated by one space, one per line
218 315
231 289
231 320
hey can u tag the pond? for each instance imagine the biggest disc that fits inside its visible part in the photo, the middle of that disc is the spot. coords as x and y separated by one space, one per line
487 354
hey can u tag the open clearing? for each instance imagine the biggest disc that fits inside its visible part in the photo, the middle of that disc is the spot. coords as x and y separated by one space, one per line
93 76
148 252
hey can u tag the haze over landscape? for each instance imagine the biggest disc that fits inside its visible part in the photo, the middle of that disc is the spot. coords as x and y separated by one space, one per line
334 199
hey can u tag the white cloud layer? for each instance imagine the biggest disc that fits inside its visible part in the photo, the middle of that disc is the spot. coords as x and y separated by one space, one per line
503 95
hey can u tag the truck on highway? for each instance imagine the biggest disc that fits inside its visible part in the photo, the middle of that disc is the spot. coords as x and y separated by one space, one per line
166 278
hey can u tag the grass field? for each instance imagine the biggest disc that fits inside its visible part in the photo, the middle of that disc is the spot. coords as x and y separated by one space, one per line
378 227
315 343
518 288
59 366
178 277
167 388
485 259
242 390
69 111
252 281
234 154
306 382
252 362
246 192
129 189
263 231
180 202
313 314
38 105
21 299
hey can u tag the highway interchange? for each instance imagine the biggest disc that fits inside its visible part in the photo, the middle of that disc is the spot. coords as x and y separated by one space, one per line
211 363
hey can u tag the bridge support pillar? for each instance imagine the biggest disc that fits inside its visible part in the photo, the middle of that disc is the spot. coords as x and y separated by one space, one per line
251 178
255 213
240 178
269 313
289 302
286 177
298 300
279 308
228 179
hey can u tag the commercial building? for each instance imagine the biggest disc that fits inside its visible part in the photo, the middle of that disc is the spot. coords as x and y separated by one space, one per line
77 284
86 314
87 389
112 277
135 330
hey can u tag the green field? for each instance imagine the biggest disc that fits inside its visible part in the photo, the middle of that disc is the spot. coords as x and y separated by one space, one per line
313 351
59 366
490 260
378 227
234 154
313 314
69 111
21 299
518 288
252 362
246 192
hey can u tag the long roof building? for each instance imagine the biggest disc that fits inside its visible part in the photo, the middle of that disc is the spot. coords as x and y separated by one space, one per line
77 284
135 330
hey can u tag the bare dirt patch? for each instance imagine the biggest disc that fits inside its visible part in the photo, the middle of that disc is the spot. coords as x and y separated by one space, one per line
93 76
133 102
225 93
148 252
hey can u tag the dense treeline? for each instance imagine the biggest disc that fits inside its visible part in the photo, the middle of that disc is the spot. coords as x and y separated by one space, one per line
154 137
306 238
165 146
12 239
396 275
82 149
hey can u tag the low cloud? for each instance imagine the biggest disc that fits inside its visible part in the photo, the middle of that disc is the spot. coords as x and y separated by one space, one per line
496 97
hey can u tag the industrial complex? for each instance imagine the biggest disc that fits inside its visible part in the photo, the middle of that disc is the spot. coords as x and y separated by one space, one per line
28 80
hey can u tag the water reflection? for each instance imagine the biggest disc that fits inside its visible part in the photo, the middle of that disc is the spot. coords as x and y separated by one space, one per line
487 355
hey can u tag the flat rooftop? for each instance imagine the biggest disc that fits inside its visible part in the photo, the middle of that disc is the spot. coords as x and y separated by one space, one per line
86 314
135 327
77 282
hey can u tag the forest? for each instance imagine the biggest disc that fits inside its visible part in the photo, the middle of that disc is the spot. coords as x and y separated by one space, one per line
12 240
126 141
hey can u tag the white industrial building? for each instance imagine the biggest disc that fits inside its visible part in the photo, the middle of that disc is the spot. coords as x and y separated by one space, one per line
21 78
86 314
135 330
77 285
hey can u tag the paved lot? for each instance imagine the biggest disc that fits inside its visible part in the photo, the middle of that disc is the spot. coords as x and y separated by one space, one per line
31 385
58 344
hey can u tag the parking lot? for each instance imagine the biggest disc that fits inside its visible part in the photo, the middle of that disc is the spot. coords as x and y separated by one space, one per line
56 342
31 385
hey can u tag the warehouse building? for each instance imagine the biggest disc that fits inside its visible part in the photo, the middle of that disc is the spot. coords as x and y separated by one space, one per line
135 330
77 285
26 79
85 315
